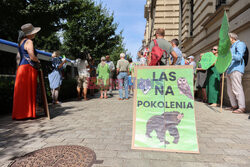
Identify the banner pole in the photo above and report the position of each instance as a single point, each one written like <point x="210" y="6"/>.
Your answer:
<point x="222" y="92"/>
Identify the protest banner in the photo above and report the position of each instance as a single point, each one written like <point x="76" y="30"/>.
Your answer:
<point x="207" y="60"/>
<point x="164" y="117"/>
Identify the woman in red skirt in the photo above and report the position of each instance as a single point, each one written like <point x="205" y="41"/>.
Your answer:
<point x="24" y="100"/>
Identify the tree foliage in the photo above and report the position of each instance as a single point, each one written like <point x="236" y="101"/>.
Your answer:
<point x="82" y="24"/>
<point x="118" y="49"/>
<point x="90" y="29"/>
<point x="46" y="14"/>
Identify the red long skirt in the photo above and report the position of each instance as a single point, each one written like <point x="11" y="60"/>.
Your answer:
<point x="24" y="100"/>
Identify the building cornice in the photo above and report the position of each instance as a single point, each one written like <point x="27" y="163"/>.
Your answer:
<point x="218" y="13"/>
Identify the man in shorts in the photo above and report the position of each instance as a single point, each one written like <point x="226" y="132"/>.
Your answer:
<point x="83" y="77"/>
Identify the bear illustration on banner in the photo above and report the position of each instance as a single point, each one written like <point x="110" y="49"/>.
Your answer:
<point x="164" y="114"/>
<point x="165" y="122"/>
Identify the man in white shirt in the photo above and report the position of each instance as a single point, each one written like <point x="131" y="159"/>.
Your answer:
<point x="112" y="70"/>
<point x="142" y="59"/>
<point x="83" y="78"/>
<point x="192" y="62"/>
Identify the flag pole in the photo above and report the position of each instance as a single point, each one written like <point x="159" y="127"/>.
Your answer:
<point x="222" y="92"/>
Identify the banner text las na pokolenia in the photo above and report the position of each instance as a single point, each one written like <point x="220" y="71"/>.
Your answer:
<point x="164" y="117"/>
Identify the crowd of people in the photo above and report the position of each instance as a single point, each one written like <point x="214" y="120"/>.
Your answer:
<point x="103" y="75"/>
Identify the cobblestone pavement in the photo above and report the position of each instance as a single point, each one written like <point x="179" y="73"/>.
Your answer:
<point x="105" y="125"/>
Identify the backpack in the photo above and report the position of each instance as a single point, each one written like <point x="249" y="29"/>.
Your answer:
<point x="156" y="54"/>
<point x="245" y="56"/>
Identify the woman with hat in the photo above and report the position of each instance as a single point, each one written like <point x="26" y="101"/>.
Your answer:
<point x="24" y="100"/>
<point x="103" y="77"/>
<point x="55" y="77"/>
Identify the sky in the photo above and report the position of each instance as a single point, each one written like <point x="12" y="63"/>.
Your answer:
<point x="129" y="14"/>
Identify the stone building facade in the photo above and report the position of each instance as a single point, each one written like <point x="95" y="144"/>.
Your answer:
<point x="161" y="14"/>
<point x="198" y="23"/>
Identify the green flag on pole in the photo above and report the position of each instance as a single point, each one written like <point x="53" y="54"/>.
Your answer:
<point x="224" y="54"/>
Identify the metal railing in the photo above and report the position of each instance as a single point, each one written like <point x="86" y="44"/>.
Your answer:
<point x="12" y="47"/>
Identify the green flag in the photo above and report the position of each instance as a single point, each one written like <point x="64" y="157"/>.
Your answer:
<point x="207" y="60"/>
<point x="224" y="54"/>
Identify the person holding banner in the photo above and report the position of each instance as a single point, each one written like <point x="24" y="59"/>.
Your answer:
<point x="234" y="75"/>
<point x="24" y="100"/>
<point x="213" y="82"/>
<point x="55" y="77"/>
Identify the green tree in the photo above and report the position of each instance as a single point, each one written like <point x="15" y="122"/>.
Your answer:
<point x="82" y="25"/>
<point x="46" y="14"/>
<point x="118" y="49"/>
<point x="90" y="28"/>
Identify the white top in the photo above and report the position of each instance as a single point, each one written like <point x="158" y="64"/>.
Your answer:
<point x="193" y="64"/>
<point x="82" y="67"/>
<point x="111" y="65"/>
<point x="143" y="61"/>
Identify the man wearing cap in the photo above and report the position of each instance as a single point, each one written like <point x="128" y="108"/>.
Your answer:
<point x="192" y="62"/>
<point x="165" y="45"/>
<point x="123" y="70"/>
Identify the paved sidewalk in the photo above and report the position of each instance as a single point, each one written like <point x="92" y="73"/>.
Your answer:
<point x="105" y="125"/>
